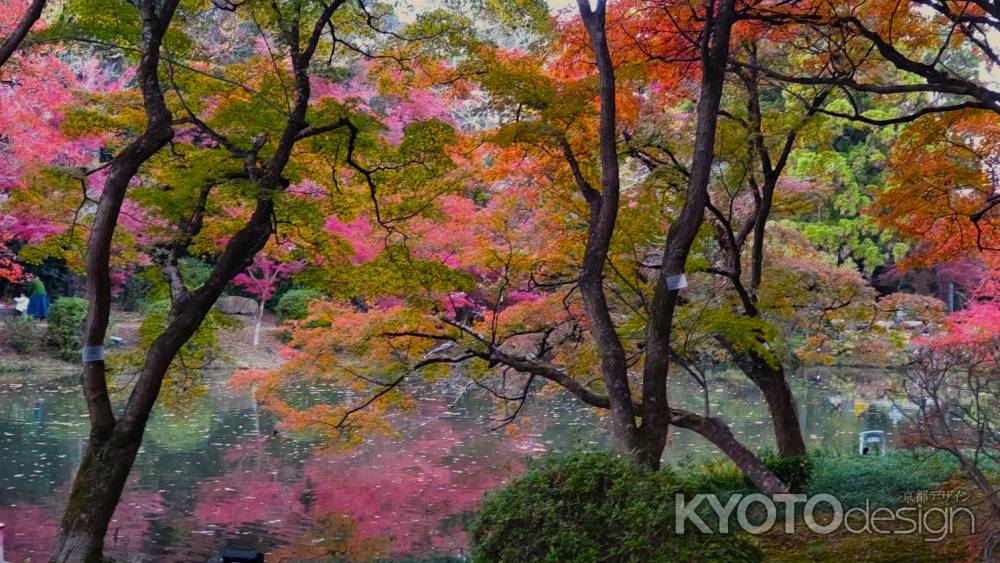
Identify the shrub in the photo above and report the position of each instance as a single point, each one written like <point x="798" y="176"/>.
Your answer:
<point x="794" y="471"/>
<point x="880" y="479"/>
<point x="66" y="316"/>
<point x="718" y="476"/>
<point x="294" y="304"/>
<point x="593" y="507"/>
<point x="22" y="333"/>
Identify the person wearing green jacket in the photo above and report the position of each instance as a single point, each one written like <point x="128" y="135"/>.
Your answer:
<point x="38" y="300"/>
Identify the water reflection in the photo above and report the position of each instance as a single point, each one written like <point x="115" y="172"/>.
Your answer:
<point x="213" y="474"/>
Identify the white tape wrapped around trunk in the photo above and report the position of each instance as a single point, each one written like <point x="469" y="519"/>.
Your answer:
<point x="678" y="281"/>
<point x="92" y="354"/>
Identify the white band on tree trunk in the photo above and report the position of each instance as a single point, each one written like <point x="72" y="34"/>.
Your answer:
<point x="92" y="354"/>
<point x="678" y="281"/>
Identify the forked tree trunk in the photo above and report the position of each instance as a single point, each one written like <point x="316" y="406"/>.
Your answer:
<point x="682" y="234"/>
<point x="114" y="441"/>
<point x="112" y="444"/>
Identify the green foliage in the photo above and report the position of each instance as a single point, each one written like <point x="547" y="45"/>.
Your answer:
<point x="593" y="507"/>
<point x="848" y="173"/>
<point x="22" y="332"/>
<point x="66" y="317"/>
<point x="134" y="292"/>
<point x="517" y="14"/>
<point x="880" y="479"/>
<point x="183" y="380"/>
<point x="716" y="476"/>
<point x="194" y="271"/>
<point x="794" y="471"/>
<point x="850" y="478"/>
<point x="294" y="304"/>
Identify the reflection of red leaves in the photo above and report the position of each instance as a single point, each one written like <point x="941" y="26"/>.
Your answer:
<point x="32" y="528"/>
<point x="402" y="494"/>
<point x="234" y="500"/>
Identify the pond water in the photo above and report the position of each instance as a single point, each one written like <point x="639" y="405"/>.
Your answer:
<point x="212" y="474"/>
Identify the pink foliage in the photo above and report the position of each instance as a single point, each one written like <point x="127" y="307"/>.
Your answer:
<point x="519" y="296"/>
<point x="976" y="327"/>
<point x="262" y="277"/>
<point x="420" y="105"/>
<point x="359" y="93"/>
<point x="456" y="301"/>
<point x="360" y="234"/>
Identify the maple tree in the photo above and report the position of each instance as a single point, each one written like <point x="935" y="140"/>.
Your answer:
<point x="954" y="381"/>
<point x="261" y="279"/>
<point x="924" y="65"/>
<point x="643" y="190"/>
<point x="520" y="310"/>
<point x="227" y="184"/>
<point x="523" y="312"/>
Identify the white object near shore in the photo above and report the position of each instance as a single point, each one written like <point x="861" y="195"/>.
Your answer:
<point x="868" y="440"/>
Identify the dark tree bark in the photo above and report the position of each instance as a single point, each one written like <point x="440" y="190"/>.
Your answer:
<point x="111" y="447"/>
<point x="10" y="45"/>
<point x="964" y="29"/>
<point x="717" y="432"/>
<point x="770" y="379"/>
<point x="682" y="233"/>
<point x="603" y="214"/>
<point x="114" y="443"/>
<point x="647" y="441"/>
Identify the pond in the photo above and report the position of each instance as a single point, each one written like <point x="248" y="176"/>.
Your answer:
<point x="213" y="473"/>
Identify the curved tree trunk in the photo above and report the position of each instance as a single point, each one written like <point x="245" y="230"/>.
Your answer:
<point x="682" y="234"/>
<point x="716" y="431"/>
<point x="96" y="490"/>
<point x="114" y="441"/>
<point x="603" y="207"/>
<point x="770" y="379"/>
<point x="109" y="456"/>
<point x="112" y="444"/>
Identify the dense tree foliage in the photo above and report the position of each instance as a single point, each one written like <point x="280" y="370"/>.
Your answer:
<point x="590" y="203"/>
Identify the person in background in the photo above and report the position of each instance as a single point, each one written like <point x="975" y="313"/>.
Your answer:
<point x="21" y="303"/>
<point x="38" y="303"/>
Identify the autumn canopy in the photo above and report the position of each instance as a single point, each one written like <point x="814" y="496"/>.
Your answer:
<point x="589" y="201"/>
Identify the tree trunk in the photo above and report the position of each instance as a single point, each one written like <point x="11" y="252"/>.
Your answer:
<point x="97" y="487"/>
<point x="114" y="442"/>
<point x="112" y="446"/>
<point x="682" y="234"/>
<point x="256" y="325"/>
<point x="716" y="431"/>
<point x="648" y="447"/>
<point x="603" y="208"/>
<point x="780" y="402"/>
<point x="13" y="40"/>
